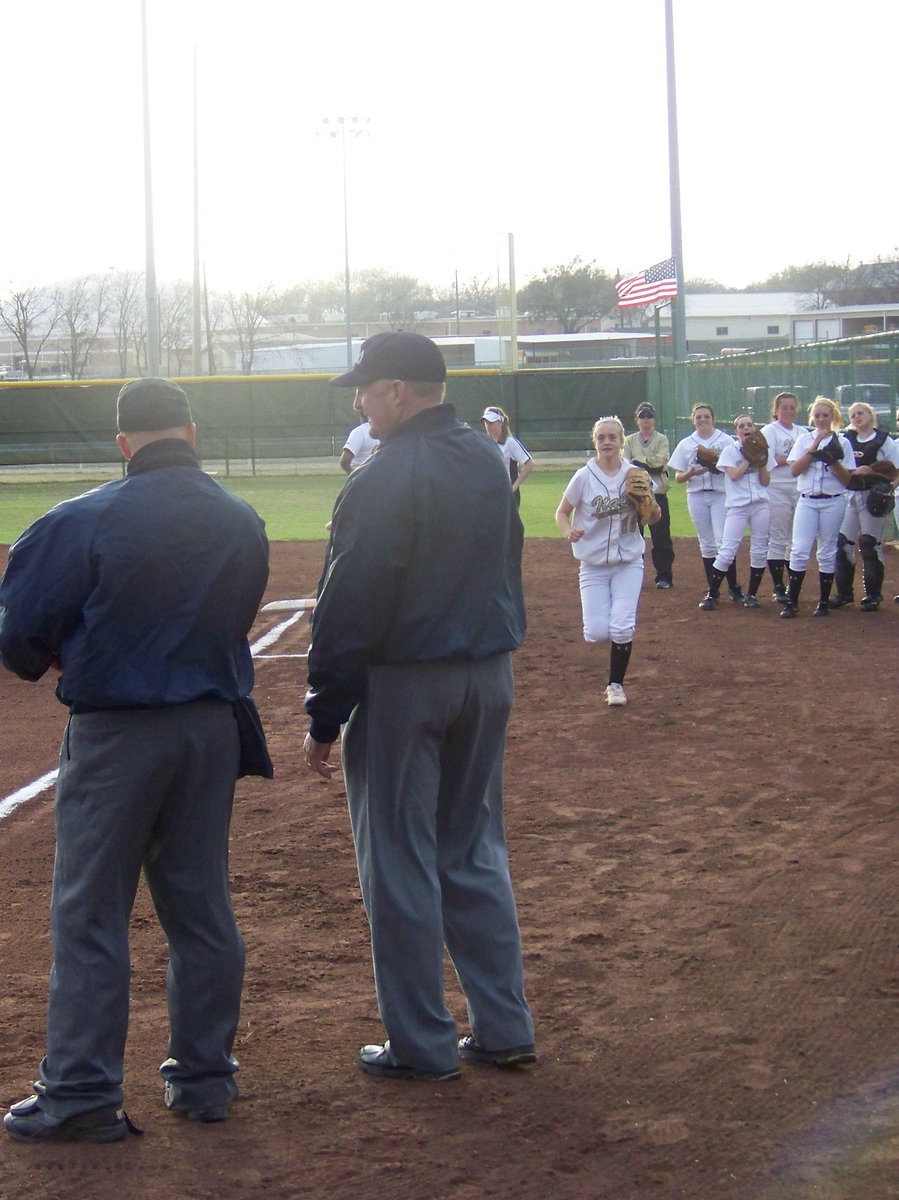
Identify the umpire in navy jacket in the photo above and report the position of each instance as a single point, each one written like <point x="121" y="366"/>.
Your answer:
<point x="141" y="594"/>
<point x="419" y="606"/>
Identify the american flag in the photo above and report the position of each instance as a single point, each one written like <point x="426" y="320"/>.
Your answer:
<point x="656" y="283"/>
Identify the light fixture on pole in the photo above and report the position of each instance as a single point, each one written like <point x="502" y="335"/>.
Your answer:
<point x="342" y="127"/>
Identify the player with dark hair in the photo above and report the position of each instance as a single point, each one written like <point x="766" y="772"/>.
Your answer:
<point x="518" y="462"/>
<point x="647" y="448"/>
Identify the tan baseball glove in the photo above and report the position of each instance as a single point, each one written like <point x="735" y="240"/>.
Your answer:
<point x="638" y="488"/>
<point x="708" y="457"/>
<point x="755" y="449"/>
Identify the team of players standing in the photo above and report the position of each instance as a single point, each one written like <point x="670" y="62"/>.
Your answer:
<point x="813" y="492"/>
<point x="810" y="490"/>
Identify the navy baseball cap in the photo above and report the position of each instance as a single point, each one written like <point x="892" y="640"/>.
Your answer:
<point x="411" y="357"/>
<point x="145" y="405"/>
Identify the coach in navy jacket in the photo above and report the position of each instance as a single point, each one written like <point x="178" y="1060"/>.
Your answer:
<point x="141" y="593"/>
<point x="419" y="605"/>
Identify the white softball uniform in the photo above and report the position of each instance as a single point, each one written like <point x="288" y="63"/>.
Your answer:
<point x="746" y="503"/>
<point x="782" y="493"/>
<point x="705" y="493"/>
<point x="820" y="507"/>
<point x="513" y="452"/>
<point x="610" y="552"/>
<point x="362" y="445"/>
<point x="857" y="520"/>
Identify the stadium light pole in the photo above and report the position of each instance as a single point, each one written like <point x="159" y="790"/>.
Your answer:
<point x="340" y="127"/>
<point x="197" y="293"/>
<point x="152" y="295"/>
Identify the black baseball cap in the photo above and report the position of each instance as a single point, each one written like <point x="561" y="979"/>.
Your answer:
<point x="396" y="355"/>
<point x="646" y="410"/>
<point x="145" y="405"/>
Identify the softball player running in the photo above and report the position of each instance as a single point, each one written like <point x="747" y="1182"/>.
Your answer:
<point x="822" y="463"/>
<point x="746" y="503"/>
<point x="861" y="533"/>
<point x="600" y="522"/>
<point x="705" y="488"/>
<point x="781" y="432"/>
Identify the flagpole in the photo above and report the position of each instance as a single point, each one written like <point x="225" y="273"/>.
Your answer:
<point x="678" y="307"/>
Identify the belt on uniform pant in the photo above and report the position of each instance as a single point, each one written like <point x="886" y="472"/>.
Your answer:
<point x="819" y="495"/>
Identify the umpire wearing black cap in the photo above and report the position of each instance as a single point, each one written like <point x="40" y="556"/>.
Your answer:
<point x="419" y="608"/>
<point x="141" y="594"/>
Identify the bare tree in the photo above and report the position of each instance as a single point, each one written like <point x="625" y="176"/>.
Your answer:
<point x="214" y="310"/>
<point x="247" y="312"/>
<point x="31" y="316"/>
<point x="127" y="315"/>
<point x="83" y="306"/>
<point x="176" y="326"/>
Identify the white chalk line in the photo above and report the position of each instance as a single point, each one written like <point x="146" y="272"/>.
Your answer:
<point x="12" y="801"/>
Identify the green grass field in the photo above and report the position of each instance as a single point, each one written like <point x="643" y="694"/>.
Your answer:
<point x="297" y="507"/>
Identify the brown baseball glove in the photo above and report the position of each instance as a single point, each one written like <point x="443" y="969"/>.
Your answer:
<point x="707" y="457"/>
<point x="638" y="488"/>
<point x="755" y="449"/>
<point x="885" y="469"/>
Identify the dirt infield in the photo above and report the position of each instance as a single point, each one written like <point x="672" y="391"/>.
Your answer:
<point x="708" y="883"/>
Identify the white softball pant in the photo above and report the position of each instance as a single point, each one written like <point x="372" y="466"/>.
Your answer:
<point x="757" y="515"/>
<point x="707" y="515"/>
<point x="858" y="520"/>
<point x="782" y="498"/>
<point x="609" y="599"/>
<point x="819" y="519"/>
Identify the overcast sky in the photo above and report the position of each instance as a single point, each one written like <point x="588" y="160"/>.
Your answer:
<point x="486" y="118"/>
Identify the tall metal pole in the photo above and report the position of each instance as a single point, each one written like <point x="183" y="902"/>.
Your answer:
<point x="678" y="324"/>
<point x="152" y="296"/>
<point x="513" y="307"/>
<point x="197" y="290"/>
<point x="346" y="253"/>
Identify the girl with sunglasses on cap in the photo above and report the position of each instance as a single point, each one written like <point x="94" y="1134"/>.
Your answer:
<point x="518" y="461"/>
<point x="694" y="463"/>
<point x="600" y="522"/>
<point x="648" y="448"/>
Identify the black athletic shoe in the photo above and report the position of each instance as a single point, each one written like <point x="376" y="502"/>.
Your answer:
<point x="788" y="611"/>
<point x="736" y="594"/>
<point x="513" y="1056"/>
<point x="841" y="601"/>
<point x="869" y="604"/>
<point x="664" y="584"/>
<point x="822" y="609"/>
<point x="751" y="602"/>
<point x="27" y="1122"/>
<point x="207" y="1114"/>
<point x="707" y="604"/>
<point x="779" y="596"/>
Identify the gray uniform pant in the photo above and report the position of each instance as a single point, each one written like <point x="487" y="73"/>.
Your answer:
<point x="423" y="762"/>
<point x="151" y="789"/>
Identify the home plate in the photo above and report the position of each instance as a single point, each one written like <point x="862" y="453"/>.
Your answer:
<point x="289" y="605"/>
